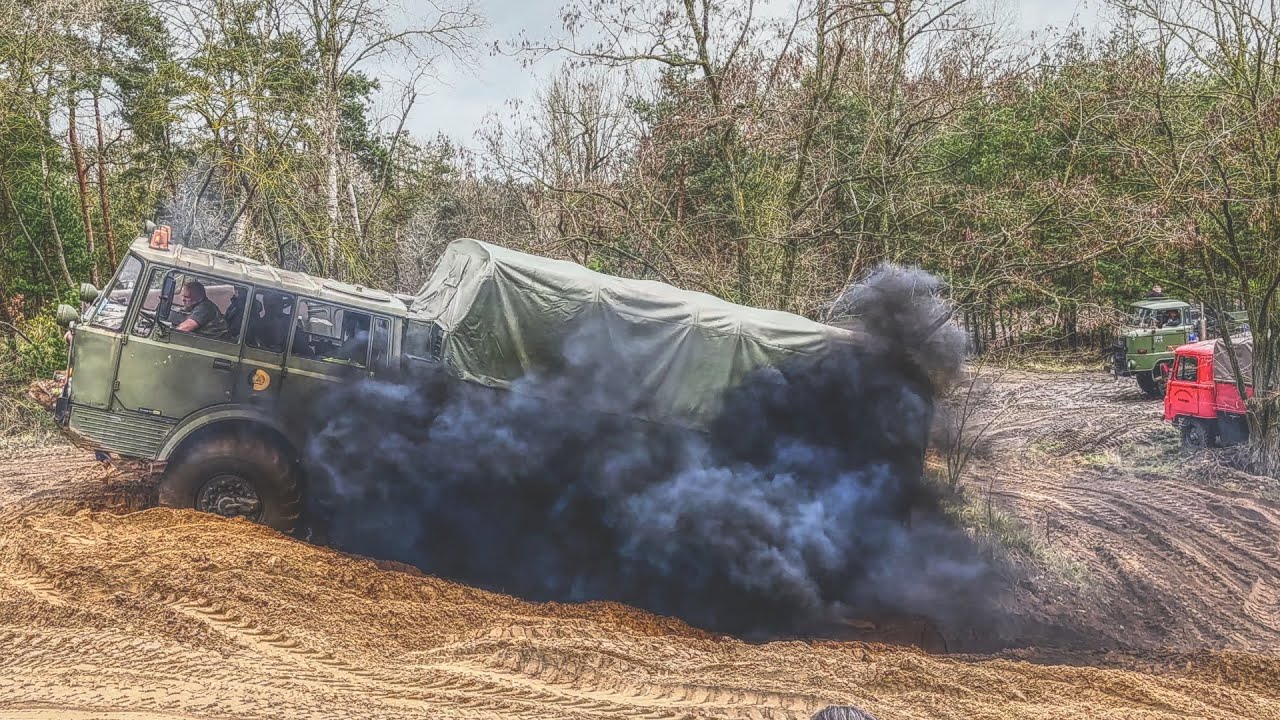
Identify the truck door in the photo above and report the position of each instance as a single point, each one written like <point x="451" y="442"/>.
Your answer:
<point x="1194" y="397"/>
<point x="168" y="373"/>
<point x="95" y="347"/>
<point x="266" y="336"/>
<point x="330" y="346"/>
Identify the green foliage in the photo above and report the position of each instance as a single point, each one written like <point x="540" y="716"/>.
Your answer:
<point x="37" y="350"/>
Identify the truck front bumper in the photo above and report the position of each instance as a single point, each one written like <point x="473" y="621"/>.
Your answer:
<point x="62" y="405"/>
<point x="1120" y="363"/>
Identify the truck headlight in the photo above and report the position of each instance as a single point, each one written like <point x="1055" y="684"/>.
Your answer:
<point x="66" y="315"/>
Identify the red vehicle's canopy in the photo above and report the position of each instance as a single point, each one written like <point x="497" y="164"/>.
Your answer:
<point x="1217" y="350"/>
<point x="1242" y="347"/>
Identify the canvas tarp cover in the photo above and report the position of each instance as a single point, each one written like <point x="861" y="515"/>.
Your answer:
<point x="507" y="315"/>
<point x="1243" y="347"/>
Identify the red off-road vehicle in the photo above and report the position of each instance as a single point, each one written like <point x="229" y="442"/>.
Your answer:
<point x="1203" y="398"/>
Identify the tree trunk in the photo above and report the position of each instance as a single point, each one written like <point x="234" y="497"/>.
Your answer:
<point x="1264" y="444"/>
<point x="103" y="194"/>
<point x="83" y="184"/>
<point x="355" y="208"/>
<point x="53" y="220"/>
<point x="331" y="181"/>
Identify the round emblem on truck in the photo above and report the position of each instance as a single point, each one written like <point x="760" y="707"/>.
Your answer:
<point x="260" y="380"/>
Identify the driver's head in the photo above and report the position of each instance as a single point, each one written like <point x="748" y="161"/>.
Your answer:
<point x="192" y="293"/>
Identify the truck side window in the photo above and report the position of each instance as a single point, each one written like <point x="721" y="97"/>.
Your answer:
<point x="1187" y="368"/>
<point x="229" y="299"/>
<point x="113" y="304"/>
<point x="381" y="342"/>
<point x="331" y="333"/>
<point x="269" y="318"/>
<point x="423" y="341"/>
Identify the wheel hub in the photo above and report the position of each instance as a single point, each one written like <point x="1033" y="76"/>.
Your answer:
<point x="229" y="496"/>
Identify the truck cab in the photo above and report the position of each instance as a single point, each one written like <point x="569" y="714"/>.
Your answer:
<point x="222" y="409"/>
<point x="1144" y="346"/>
<point x="1203" y="398"/>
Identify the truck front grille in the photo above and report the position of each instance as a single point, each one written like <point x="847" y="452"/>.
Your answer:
<point x="125" y="433"/>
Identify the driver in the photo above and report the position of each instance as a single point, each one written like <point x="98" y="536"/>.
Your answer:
<point x="1172" y="318"/>
<point x="203" y="317"/>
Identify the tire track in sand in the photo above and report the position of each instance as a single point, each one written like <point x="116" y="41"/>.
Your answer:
<point x="1180" y="563"/>
<point x="462" y="684"/>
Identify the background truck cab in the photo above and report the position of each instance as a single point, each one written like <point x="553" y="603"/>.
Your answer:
<point x="1202" y="396"/>
<point x="1143" y="348"/>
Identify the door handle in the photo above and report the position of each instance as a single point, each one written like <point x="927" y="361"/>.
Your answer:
<point x="221" y="364"/>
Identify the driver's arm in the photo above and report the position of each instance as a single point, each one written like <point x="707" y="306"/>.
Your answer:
<point x="198" y="317"/>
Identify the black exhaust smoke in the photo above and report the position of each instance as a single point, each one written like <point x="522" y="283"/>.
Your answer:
<point x="803" y="504"/>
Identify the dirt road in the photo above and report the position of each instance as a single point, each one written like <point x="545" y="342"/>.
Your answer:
<point x="1176" y="551"/>
<point x="156" y="614"/>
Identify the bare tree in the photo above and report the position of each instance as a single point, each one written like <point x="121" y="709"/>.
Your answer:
<point x="1202" y="125"/>
<point x="350" y="35"/>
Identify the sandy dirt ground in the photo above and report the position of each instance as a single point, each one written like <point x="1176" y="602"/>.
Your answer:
<point x="1174" y="551"/>
<point x="110" y="610"/>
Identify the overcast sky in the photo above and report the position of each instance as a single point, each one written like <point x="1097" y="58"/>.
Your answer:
<point x="457" y="105"/>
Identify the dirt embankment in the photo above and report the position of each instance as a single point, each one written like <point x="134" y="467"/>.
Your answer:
<point x="174" y="614"/>
<point x="166" y="614"/>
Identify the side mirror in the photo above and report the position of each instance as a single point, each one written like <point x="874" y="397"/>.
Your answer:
<point x="166" y="297"/>
<point x="88" y="293"/>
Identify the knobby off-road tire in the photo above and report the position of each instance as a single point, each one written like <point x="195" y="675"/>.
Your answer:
<point x="223" y="459"/>
<point x="1197" y="435"/>
<point x="1161" y="376"/>
<point x="1147" y="382"/>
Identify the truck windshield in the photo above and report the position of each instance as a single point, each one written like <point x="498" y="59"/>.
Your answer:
<point x="109" y="311"/>
<point x="1142" y="317"/>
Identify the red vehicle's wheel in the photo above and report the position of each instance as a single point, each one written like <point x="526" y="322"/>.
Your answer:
<point x="1196" y="435"/>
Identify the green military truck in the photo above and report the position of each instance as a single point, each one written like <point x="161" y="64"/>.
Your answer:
<point x="1144" y="346"/>
<point x="1153" y="329"/>
<point x="225" y="407"/>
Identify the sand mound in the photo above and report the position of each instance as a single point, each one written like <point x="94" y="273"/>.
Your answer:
<point x="170" y="613"/>
<point x="107" y="611"/>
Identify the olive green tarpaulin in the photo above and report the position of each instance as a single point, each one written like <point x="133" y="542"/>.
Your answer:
<point x="507" y="315"/>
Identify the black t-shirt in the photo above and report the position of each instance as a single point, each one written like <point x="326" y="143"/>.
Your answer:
<point x="209" y="320"/>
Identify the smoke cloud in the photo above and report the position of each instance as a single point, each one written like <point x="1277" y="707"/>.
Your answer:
<point x="801" y="505"/>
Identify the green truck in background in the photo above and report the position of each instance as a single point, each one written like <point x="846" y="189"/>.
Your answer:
<point x="227" y="411"/>
<point x="1153" y="329"/>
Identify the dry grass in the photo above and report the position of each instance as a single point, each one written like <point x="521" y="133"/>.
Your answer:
<point x="1005" y="537"/>
<point x="23" y="420"/>
<point x="1039" y="360"/>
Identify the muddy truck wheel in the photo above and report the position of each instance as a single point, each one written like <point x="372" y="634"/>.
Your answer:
<point x="1196" y="435"/>
<point x="236" y="475"/>
<point x="1147" y="381"/>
